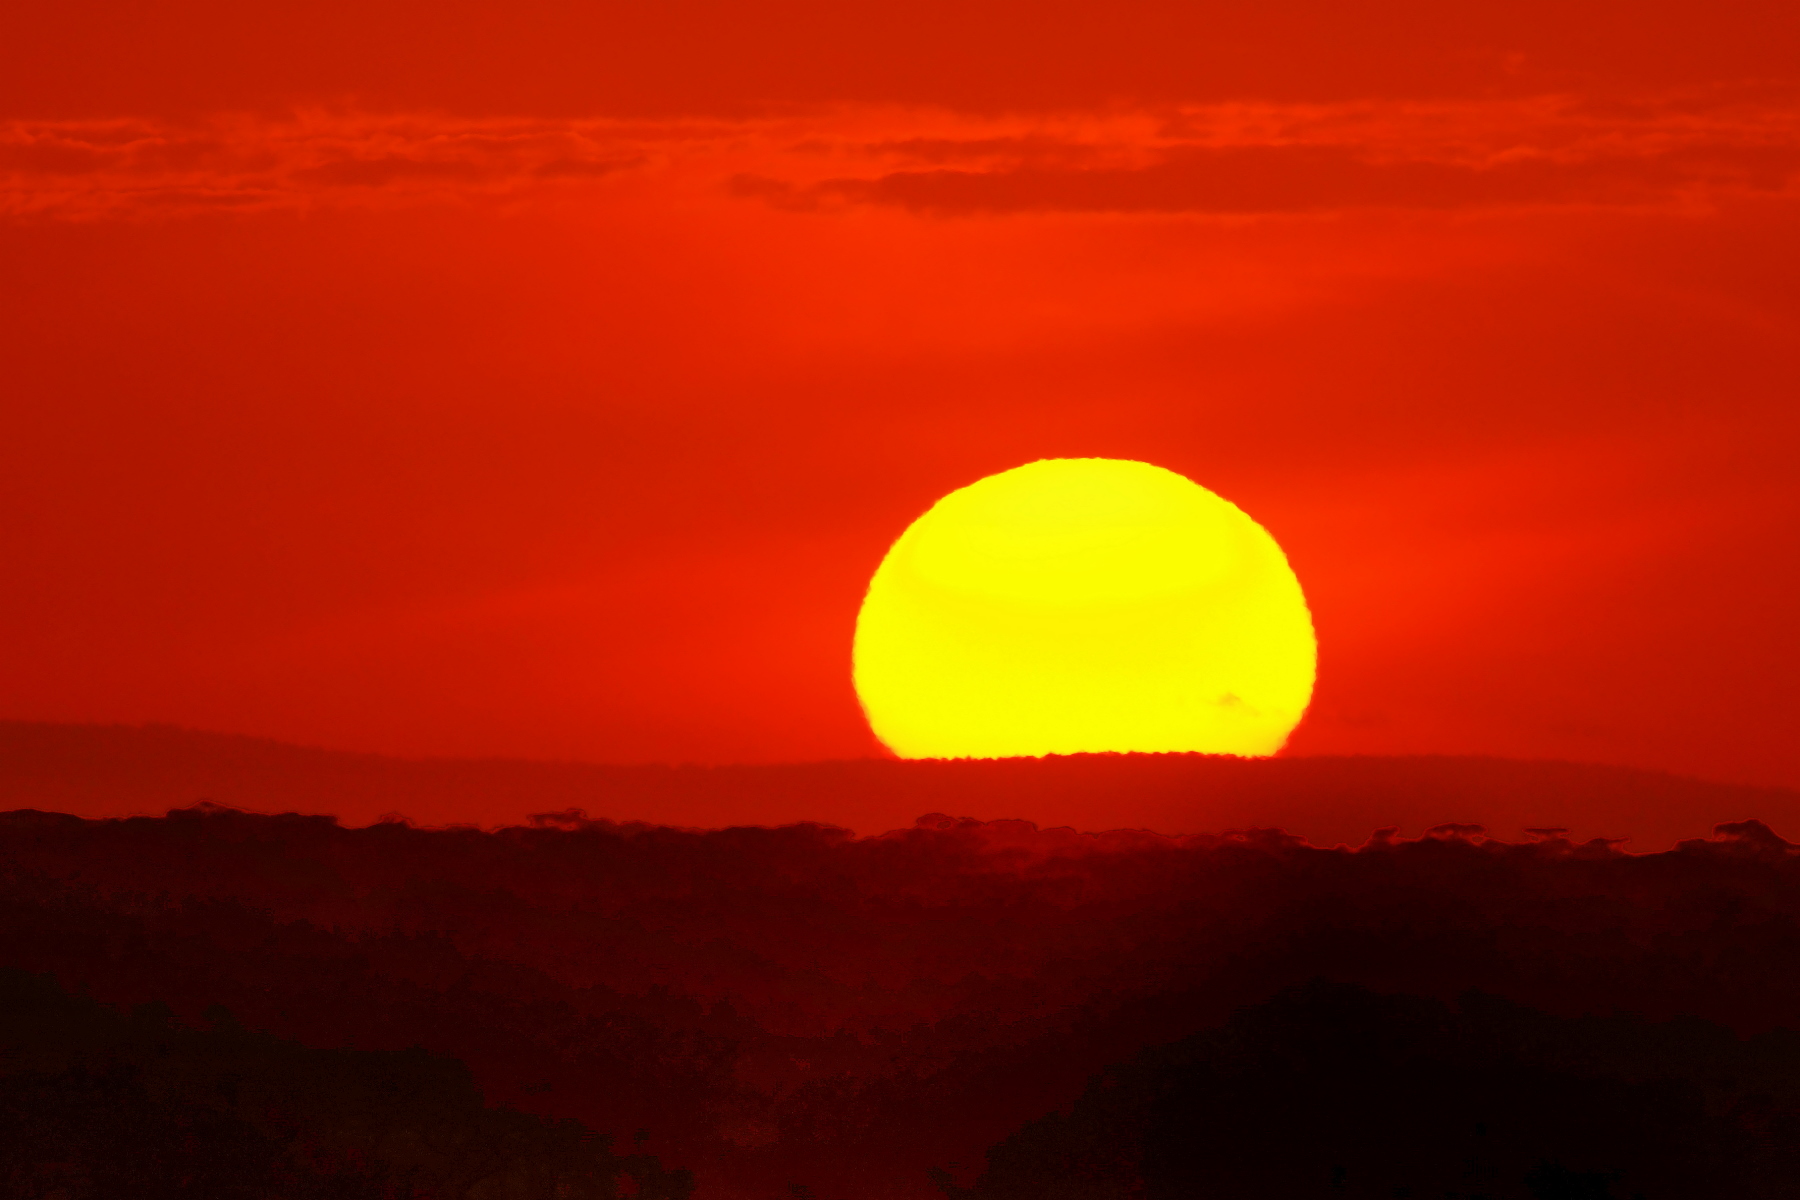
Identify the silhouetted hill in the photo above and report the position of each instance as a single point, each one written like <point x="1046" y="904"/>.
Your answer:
<point x="1333" y="1091"/>
<point x="95" y="770"/>
<point x="799" y="1008"/>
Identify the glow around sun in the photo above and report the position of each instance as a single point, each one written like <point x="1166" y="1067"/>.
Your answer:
<point x="1084" y="604"/>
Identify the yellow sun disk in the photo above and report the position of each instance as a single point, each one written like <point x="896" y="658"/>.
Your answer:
<point x="1083" y="604"/>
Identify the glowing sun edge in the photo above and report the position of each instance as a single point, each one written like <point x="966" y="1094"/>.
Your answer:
<point x="1084" y="605"/>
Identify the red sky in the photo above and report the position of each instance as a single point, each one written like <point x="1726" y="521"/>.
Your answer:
<point x="547" y="379"/>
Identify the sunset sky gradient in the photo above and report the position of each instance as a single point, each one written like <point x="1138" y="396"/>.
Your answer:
<point x="548" y="379"/>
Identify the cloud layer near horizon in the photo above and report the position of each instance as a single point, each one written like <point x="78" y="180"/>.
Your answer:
<point x="1240" y="159"/>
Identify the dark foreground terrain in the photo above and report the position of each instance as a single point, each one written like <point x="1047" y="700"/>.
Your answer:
<point x="575" y="1007"/>
<point x="1331" y="1090"/>
<point x="96" y="1103"/>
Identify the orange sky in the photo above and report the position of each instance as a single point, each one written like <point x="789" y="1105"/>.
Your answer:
<point x="547" y="379"/>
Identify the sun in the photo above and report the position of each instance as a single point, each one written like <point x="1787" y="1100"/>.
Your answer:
<point x="1084" y="604"/>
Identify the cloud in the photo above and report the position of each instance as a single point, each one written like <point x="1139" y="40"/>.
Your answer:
<point x="113" y="168"/>
<point x="1309" y="179"/>
<point x="1243" y="159"/>
<point x="1225" y="159"/>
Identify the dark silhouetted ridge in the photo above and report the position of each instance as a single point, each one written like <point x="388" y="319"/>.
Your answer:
<point x="96" y="770"/>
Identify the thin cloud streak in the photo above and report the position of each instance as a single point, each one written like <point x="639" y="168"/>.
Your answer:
<point x="1221" y="159"/>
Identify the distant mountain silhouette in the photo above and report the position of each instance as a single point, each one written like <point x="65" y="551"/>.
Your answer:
<point x="94" y="770"/>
